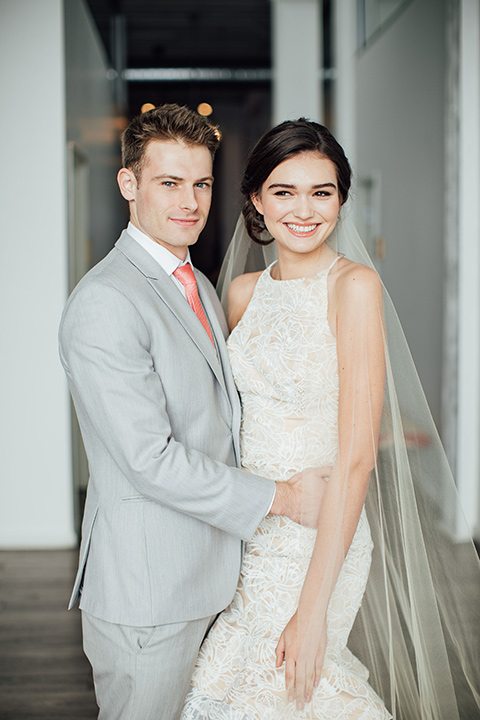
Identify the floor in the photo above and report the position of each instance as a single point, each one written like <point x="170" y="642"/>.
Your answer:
<point x="44" y="674"/>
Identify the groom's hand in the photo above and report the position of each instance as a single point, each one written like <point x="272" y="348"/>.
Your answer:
<point x="300" y="497"/>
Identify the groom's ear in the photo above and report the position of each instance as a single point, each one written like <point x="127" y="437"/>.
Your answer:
<point x="127" y="182"/>
<point x="257" y="203"/>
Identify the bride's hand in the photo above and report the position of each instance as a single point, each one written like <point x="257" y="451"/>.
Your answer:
<point x="303" y="652"/>
<point x="300" y="497"/>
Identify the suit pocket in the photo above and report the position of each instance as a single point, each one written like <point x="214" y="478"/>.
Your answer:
<point x="87" y="530"/>
<point x="134" y="499"/>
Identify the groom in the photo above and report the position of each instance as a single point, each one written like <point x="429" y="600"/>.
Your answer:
<point x="142" y="341"/>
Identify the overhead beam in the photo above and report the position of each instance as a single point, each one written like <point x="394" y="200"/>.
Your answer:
<point x="206" y="74"/>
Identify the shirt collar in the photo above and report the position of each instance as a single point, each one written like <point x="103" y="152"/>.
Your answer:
<point x="166" y="259"/>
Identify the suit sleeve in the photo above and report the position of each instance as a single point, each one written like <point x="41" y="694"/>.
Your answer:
<point x="104" y="348"/>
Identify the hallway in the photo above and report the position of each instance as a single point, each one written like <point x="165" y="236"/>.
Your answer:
<point x="43" y="672"/>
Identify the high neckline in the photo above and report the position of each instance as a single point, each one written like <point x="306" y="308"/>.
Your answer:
<point x="326" y="270"/>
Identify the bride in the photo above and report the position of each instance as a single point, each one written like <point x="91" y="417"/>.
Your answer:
<point x="311" y="353"/>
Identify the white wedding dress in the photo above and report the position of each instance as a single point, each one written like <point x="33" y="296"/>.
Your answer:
<point x="284" y="361"/>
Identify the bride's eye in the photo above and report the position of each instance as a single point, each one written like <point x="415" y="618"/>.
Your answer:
<point x="282" y="193"/>
<point x="323" y="193"/>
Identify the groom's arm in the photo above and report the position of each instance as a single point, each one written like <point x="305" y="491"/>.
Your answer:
<point x="104" y="348"/>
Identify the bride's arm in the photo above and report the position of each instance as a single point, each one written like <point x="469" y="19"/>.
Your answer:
<point x="361" y="369"/>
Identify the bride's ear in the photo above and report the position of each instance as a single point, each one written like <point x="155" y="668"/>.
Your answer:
<point x="257" y="203"/>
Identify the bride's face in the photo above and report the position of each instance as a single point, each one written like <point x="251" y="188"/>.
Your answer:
<point x="300" y="202"/>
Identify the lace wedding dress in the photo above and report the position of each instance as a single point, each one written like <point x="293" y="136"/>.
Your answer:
<point x="283" y="357"/>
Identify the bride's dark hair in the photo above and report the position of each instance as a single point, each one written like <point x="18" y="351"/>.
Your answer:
<point x="281" y="143"/>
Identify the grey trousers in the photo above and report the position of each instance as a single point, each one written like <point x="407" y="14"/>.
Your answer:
<point x="141" y="673"/>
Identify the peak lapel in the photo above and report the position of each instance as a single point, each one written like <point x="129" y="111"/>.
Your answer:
<point x="174" y="300"/>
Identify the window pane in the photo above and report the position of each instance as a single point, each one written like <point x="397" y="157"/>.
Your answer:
<point x="374" y="14"/>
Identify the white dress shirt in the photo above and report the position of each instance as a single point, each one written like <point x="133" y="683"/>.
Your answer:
<point x="166" y="259"/>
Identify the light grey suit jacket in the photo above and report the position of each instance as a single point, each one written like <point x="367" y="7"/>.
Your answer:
<point x="166" y="506"/>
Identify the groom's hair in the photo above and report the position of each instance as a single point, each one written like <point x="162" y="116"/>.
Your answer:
<point x="166" y="122"/>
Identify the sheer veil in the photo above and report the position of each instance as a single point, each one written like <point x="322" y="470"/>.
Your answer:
<point x="417" y="631"/>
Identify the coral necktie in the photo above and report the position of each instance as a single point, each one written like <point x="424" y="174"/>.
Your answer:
<point x="184" y="273"/>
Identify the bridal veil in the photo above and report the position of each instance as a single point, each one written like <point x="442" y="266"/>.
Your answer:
<point x="417" y="630"/>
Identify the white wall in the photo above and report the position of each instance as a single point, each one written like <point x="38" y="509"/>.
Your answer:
<point x="54" y="89"/>
<point x="468" y="417"/>
<point x="35" y="480"/>
<point x="400" y="133"/>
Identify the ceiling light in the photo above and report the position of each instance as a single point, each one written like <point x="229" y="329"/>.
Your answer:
<point x="204" y="109"/>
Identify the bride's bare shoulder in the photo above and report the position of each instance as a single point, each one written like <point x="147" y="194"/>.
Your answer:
<point x="355" y="280"/>
<point x="239" y="295"/>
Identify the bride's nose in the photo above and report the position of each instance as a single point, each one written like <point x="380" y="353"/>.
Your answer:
<point x="303" y="209"/>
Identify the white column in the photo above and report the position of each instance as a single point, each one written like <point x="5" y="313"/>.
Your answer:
<point x="345" y="75"/>
<point x="36" y="508"/>
<point x="468" y="435"/>
<point x="296" y="60"/>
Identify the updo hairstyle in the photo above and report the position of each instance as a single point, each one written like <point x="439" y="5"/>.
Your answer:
<point x="281" y="143"/>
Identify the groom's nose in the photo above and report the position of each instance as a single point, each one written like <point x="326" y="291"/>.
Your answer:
<point x="188" y="200"/>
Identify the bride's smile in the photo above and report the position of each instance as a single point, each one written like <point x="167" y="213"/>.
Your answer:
<point x="300" y="203"/>
<point x="300" y="230"/>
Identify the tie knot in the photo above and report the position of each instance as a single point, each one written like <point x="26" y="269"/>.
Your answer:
<point x="184" y="273"/>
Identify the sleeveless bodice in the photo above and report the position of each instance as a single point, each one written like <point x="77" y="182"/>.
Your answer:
<point x="284" y="362"/>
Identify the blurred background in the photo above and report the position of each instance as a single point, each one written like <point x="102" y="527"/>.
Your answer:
<point x="397" y="81"/>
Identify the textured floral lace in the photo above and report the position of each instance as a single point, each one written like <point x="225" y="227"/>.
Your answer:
<point x="283" y="357"/>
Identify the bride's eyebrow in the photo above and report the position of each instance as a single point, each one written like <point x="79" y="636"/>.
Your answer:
<point x="293" y="187"/>
<point x="324" y="185"/>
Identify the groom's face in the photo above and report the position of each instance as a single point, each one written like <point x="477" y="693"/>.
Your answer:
<point x="171" y="199"/>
